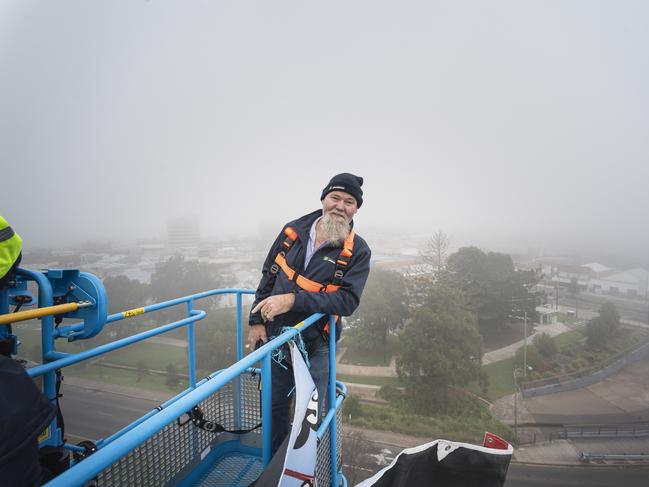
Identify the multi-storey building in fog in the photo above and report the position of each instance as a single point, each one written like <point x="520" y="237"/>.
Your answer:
<point x="184" y="235"/>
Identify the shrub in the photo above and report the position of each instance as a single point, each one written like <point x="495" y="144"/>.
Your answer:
<point x="577" y="364"/>
<point x="545" y="345"/>
<point x="483" y="381"/>
<point x="352" y="407"/>
<point x="391" y="394"/>
<point x="599" y="330"/>
<point x="534" y="358"/>
<point x="597" y="333"/>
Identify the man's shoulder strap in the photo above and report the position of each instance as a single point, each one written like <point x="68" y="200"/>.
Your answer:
<point x="345" y="256"/>
<point x="348" y="244"/>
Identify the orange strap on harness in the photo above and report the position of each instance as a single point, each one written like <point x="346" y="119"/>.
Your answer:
<point x="305" y="283"/>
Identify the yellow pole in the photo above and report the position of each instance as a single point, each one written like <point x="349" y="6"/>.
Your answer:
<point x="40" y="312"/>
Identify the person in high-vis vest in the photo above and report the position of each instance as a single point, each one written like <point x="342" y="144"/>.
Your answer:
<point x="11" y="246"/>
<point x="24" y="411"/>
<point x="317" y="264"/>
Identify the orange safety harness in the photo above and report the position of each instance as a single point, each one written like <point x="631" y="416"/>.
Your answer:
<point x="307" y="284"/>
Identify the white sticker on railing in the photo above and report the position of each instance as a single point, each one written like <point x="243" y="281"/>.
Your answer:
<point x="205" y="452"/>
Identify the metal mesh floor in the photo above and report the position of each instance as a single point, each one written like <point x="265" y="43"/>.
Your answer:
<point x="232" y="470"/>
<point x="165" y="459"/>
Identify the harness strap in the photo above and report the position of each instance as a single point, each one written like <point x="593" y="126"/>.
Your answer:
<point x="196" y="417"/>
<point x="307" y="284"/>
<point x="291" y="237"/>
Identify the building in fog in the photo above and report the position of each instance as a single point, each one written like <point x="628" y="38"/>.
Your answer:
<point x="184" y="236"/>
<point x="563" y="274"/>
<point x="633" y="283"/>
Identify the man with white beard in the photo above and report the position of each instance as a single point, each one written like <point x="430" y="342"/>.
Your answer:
<point x="317" y="264"/>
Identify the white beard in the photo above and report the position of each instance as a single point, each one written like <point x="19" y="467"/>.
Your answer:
<point x="334" y="229"/>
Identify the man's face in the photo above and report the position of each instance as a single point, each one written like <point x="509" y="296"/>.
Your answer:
<point x="340" y="204"/>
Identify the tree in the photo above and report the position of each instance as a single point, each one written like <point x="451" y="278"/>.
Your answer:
<point x="597" y="334"/>
<point x="177" y="277"/>
<point x="420" y="278"/>
<point x="494" y="289"/>
<point x="609" y="315"/>
<point x="534" y="358"/>
<point x="216" y="337"/>
<point x="382" y="308"/>
<point x="546" y="346"/>
<point x="124" y="293"/>
<point x="599" y="330"/>
<point x="436" y="249"/>
<point x="440" y="347"/>
<point x="352" y="407"/>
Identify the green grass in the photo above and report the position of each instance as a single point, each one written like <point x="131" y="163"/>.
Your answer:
<point x="566" y="318"/>
<point x="501" y="382"/>
<point x="154" y="355"/>
<point x="501" y="379"/>
<point x="366" y="379"/>
<point x="359" y="354"/>
<point x="468" y="426"/>
<point x="124" y="378"/>
<point x="567" y="339"/>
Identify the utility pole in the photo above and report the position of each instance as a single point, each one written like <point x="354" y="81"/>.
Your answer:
<point x="515" y="407"/>
<point x="525" y="346"/>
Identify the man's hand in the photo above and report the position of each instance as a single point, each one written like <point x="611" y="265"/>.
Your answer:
<point x="275" y="305"/>
<point x="256" y="333"/>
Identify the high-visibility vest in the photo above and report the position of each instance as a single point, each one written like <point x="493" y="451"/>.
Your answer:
<point x="10" y="247"/>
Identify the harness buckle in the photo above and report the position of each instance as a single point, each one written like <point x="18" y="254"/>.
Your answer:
<point x="274" y="269"/>
<point x="338" y="274"/>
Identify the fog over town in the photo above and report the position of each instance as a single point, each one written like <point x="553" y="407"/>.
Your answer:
<point x="160" y="146"/>
<point x="510" y="125"/>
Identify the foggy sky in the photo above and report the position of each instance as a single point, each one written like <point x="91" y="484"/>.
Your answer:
<point x="521" y="121"/>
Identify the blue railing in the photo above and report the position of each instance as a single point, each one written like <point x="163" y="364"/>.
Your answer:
<point x="111" y="449"/>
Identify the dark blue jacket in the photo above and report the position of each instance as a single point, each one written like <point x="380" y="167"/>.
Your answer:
<point x="320" y="269"/>
<point x="24" y="413"/>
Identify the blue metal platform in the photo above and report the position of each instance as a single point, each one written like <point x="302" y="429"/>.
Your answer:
<point x="162" y="448"/>
<point x="232" y="470"/>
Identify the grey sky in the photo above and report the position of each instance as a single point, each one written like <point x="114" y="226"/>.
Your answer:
<point x="520" y="120"/>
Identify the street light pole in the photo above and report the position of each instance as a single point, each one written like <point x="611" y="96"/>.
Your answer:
<point x="525" y="346"/>
<point x="515" y="407"/>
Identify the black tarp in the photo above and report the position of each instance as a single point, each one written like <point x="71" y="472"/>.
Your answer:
<point x="444" y="463"/>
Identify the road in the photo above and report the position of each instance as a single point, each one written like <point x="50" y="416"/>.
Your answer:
<point x="94" y="414"/>
<point x="520" y="475"/>
<point x="589" y="305"/>
<point x="370" y="456"/>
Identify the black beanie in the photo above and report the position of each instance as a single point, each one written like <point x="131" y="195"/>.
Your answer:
<point x="348" y="183"/>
